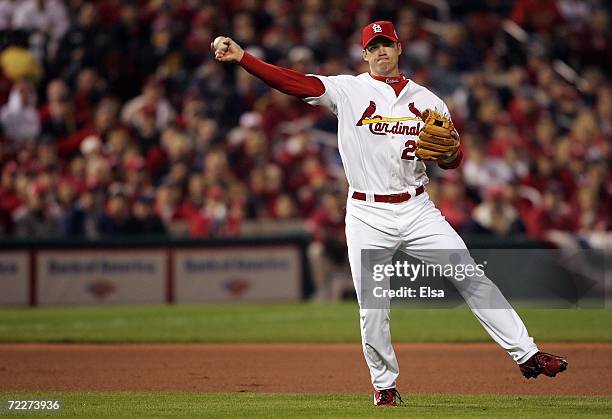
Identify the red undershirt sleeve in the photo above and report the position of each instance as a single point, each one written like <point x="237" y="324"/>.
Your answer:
<point x="287" y="81"/>
<point x="453" y="164"/>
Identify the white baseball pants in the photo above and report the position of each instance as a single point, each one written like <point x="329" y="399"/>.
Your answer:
<point x="411" y="226"/>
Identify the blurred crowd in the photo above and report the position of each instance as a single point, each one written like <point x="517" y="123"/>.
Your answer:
<point x="116" y="119"/>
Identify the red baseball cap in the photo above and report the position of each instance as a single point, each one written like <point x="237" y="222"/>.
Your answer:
<point x="376" y="29"/>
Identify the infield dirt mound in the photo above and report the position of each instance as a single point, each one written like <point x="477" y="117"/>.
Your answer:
<point x="296" y="368"/>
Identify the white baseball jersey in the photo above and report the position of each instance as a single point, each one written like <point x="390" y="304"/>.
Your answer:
<point x="378" y="131"/>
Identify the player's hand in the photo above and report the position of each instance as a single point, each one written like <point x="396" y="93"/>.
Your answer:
<point x="227" y="50"/>
<point x="438" y="140"/>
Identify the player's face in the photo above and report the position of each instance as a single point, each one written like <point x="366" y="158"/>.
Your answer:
<point x="383" y="56"/>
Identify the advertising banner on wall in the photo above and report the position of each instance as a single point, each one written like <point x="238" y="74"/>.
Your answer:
<point x="268" y="273"/>
<point x="101" y="276"/>
<point x="14" y="278"/>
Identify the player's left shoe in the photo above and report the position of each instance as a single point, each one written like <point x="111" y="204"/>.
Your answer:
<point x="543" y="363"/>
<point x="389" y="397"/>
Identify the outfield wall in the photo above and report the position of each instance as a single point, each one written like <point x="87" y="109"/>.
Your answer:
<point x="133" y="272"/>
<point x="270" y="269"/>
<point x="14" y="277"/>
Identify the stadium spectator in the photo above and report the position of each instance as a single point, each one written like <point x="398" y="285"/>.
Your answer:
<point x="143" y="219"/>
<point x="454" y="204"/>
<point x="553" y="214"/>
<point x="496" y="215"/>
<point x="84" y="45"/>
<point x="284" y="208"/>
<point x="87" y="94"/>
<point x="81" y="220"/>
<point x="67" y="200"/>
<point x="38" y="216"/>
<point x="45" y="21"/>
<point x="20" y="121"/>
<point x="11" y="198"/>
<point x="57" y="115"/>
<point x="151" y="103"/>
<point x="327" y="253"/>
<point x="115" y="218"/>
<point x="104" y="120"/>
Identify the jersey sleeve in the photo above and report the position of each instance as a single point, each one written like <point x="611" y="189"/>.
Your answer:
<point x="443" y="109"/>
<point x="333" y="95"/>
<point x="283" y="79"/>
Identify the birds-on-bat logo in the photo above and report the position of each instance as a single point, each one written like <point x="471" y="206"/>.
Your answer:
<point x="381" y="125"/>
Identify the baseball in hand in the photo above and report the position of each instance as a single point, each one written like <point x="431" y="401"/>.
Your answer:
<point x="219" y="45"/>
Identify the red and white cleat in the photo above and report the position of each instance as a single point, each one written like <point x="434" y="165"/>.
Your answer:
<point x="543" y="363"/>
<point x="389" y="397"/>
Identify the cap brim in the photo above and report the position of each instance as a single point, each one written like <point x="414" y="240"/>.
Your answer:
<point x="379" y="36"/>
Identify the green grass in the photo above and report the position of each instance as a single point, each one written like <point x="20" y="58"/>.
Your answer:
<point x="304" y="322"/>
<point x="260" y="405"/>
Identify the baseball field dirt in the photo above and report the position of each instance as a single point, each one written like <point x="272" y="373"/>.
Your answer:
<point x="427" y="368"/>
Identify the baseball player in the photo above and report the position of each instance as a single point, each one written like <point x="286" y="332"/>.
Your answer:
<point x="387" y="126"/>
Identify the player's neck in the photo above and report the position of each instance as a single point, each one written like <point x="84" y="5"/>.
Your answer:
<point x="391" y="73"/>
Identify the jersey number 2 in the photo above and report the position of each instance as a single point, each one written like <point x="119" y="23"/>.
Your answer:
<point x="410" y="148"/>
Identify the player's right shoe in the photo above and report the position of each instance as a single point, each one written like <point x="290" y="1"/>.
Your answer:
<point x="389" y="397"/>
<point x="543" y="363"/>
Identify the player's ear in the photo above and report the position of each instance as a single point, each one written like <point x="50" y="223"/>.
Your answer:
<point x="363" y="54"/>
<point x="399" y="48"/>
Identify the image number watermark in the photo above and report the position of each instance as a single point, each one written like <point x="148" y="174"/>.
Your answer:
<point x="17" y="405"/>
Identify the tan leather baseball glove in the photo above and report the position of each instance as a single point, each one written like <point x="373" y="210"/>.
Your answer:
<point x="438" y="140"/>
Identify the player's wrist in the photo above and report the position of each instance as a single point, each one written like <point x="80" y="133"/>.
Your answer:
<point x="451" y="164"/>
<point x="245" y="59"/>
<point x="240" y="55"/>
<point x="450" y="159"/>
